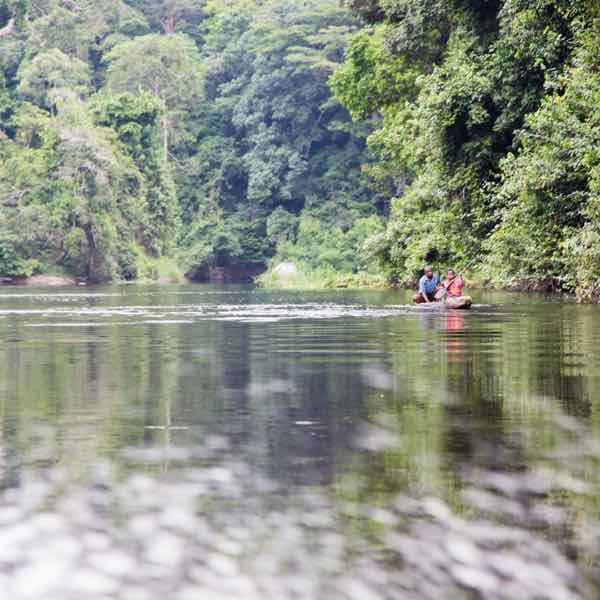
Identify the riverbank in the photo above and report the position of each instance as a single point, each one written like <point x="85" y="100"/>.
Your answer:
<point x="288" y="276"/>
<point x="285" y="276"/>
<point x="41" y="281"/>
<point x="163" y="271"/>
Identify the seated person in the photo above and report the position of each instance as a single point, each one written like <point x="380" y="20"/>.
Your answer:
<point x="453" y="284"/>
<point x="428" y="285"/>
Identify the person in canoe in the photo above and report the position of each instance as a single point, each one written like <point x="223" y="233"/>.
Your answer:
<point x="428" y="286"/>
<point x="451" y="292"/>
<point x="453" y="284"/>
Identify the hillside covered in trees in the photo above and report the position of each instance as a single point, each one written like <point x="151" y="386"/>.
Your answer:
<point x="202" y="131"/>
<point x="343" y="136"/>
<point x="489" y="136"/>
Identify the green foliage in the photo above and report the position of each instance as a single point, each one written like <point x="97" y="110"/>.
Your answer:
<point x="83" y="172"/>
<point x="487" y="124"/>
<point x="329" y="241"/>
<point x="169" y="16"/>
<point x="69" y="191"/>
<point x="133" y="131"/>
<point x="51" y="73"/>
<point x="216" y="240"/>
<point x="270" y="137"/>
<point x="138" y="122"/>
<point x="159" y="270"/>
<point x="371" y="78"/>
<point x="322" y="277"/>
<point x="11" y="263"/>
<point x="550" y="220"/>
<point x="169" y="67"/>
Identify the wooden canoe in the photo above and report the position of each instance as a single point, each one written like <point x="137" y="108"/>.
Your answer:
<point x="459" y="303"/>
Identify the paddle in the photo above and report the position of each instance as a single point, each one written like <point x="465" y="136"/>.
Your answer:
<point x="441" y="294"/>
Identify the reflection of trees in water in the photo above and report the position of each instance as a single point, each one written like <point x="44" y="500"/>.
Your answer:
<point x="474" y="425"/>
<point x="453" y="397"/>
<point x="302" y="402"/>
<point x="454" y="387"/>
<point x="471" y="389"/>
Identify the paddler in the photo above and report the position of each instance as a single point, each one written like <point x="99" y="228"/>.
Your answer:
<point x="428" y="285"/>
<point x="453" y="284"/>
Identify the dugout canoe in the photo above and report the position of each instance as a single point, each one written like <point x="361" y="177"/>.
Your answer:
<point x="458" y="303"/>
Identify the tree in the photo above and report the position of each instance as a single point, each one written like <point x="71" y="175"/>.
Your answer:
<point x="73" y="193"/>
<point x="550" y="220"/>
<point x="133" y="129"/>
<point x="168" y="67"/>
<point x="41" y="79"/>
<point x="137" y="120"/>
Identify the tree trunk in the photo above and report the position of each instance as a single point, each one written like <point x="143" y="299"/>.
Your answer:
<point x="166" y="137"/>
<point x="94" y="260"/>
<point x="169" y="23"/>
<point x="156" y="88"/>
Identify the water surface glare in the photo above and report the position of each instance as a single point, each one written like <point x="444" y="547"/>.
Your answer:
<point x="190" y="442"/>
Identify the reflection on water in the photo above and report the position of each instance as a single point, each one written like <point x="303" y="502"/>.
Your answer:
<point x="265" y="439"/>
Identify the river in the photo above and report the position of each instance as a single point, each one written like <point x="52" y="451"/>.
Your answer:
<point x="230" y="442"/>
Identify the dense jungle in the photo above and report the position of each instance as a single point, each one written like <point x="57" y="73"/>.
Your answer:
<point x="354" y="141"/>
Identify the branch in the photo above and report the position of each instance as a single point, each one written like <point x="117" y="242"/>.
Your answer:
<point x="8" y="28"/>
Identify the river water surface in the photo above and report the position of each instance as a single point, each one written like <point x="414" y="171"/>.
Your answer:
<point x="226" y="442"/>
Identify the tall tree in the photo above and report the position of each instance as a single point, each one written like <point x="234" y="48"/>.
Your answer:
<point x="168" y="67"/>
<point x="49" y="74"/>
<point x="70" y="192"/>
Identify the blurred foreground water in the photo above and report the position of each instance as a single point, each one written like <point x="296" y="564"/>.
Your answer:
<point x="227" y="443"/>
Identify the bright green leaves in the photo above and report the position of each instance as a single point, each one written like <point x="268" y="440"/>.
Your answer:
<point x="493" y="156"/>
<point x="85" y="174"/>
<point x="169" y="67"/>
<point x="72" y="194"/>
<point x="52" y="74"/>
<point x="129" y="127"/>
<point x="550" y="222"/>
<point x="371" y="78"/>
<point x="138" y="122"/>
<point x="320" y="244"/>
<point x="11" y="263"/>
<point x="136" y="119"/>
<point x="271" y="137"/>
